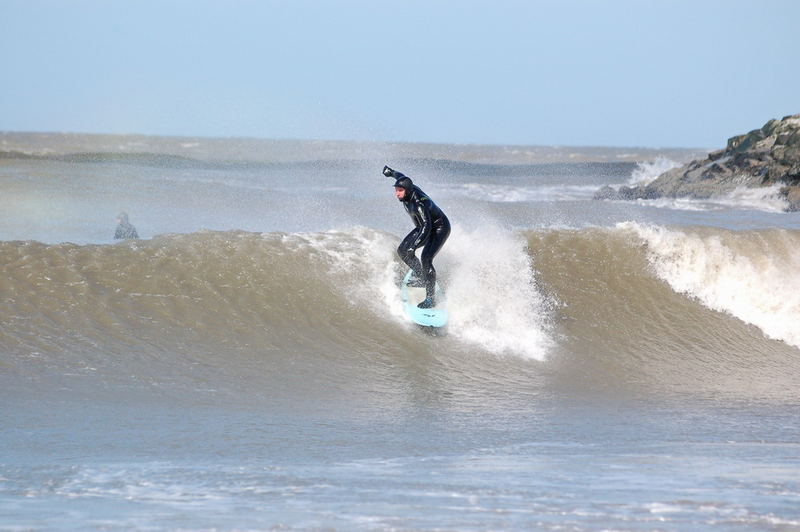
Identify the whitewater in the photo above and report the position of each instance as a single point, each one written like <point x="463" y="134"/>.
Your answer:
<point x="246" y="364"/>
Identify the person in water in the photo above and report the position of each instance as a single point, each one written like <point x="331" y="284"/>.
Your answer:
<point x="431" y="231"/>
<point x="125" y="229"/>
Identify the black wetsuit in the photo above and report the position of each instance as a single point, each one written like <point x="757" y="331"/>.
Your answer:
<point x="432" y="229"/>
<point x="125" y="229"/>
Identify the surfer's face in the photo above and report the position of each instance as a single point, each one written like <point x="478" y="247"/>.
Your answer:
<point x="399" y="193"/>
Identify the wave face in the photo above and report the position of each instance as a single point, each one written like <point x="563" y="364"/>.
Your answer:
<point x="701" y="309"/>
<point x="304" y="316"/>
<point x="752" y="276"/>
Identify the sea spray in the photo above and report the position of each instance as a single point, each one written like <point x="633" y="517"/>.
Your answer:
<point x="646" y="172"/>
<point x="767" y="199"/>
<point x="752" y="276"/>
<point x="487" y="275"/>
<point x="362" y="262"/>
<point x="491" y="293"/>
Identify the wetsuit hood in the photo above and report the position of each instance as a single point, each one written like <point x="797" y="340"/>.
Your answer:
<point x="406" y="184"/>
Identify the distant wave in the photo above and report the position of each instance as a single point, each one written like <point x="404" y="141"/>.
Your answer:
<point x="149" y="159"/>
<point x="516" y="193"/>
<point x="411" y="165"/>
<point x="162" y="160"/>
<point x="766" y="199"/>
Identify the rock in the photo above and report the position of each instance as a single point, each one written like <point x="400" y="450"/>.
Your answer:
<point x="734" y="143"/>
<point x="792" y="195"/>
<point x="767" y="156"/>
<point x="606" y="193"/>
<point x="788" y="155"/>
<point x="769" y="128"/>
<point x="764" y="145"/>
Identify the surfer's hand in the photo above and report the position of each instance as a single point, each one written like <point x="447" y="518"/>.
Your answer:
<point x="388" y="172"/>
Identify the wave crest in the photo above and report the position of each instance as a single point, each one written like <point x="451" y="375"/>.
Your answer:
<point x="752" y="275"/>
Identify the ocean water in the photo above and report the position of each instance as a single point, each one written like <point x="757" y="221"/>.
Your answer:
<point x="246" y="365"/>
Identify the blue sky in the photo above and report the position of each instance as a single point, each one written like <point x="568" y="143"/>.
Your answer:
<point x="568" y="72"/>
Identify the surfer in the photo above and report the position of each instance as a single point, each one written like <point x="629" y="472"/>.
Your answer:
<point x="431" y="231"/>
<point x="125" y="229"/>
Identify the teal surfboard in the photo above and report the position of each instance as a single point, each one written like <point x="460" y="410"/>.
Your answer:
<point x="427" y="317"/>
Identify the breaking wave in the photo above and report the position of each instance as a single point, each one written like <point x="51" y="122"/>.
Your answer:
<point x="633" y="305"/>
<point x="646" y="172"/>
<point x="767" y="199"/>
<point x="752" y="275"/>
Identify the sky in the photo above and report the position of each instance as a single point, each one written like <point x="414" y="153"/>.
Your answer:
<point x="660" y="73"/>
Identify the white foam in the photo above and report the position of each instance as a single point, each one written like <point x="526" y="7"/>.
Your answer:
<point x="491" y="295"/>
<point x="663" y="508"/>
<point x="646" y="172"/>
<point x="754" y="279"/>
<point x="488" y="278"/>
<point x="762" y="199"/>
<point x="767" y="199"/>
<point x="679" y="204"/>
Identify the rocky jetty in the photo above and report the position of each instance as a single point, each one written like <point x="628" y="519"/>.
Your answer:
<point x="765" y="157"/>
